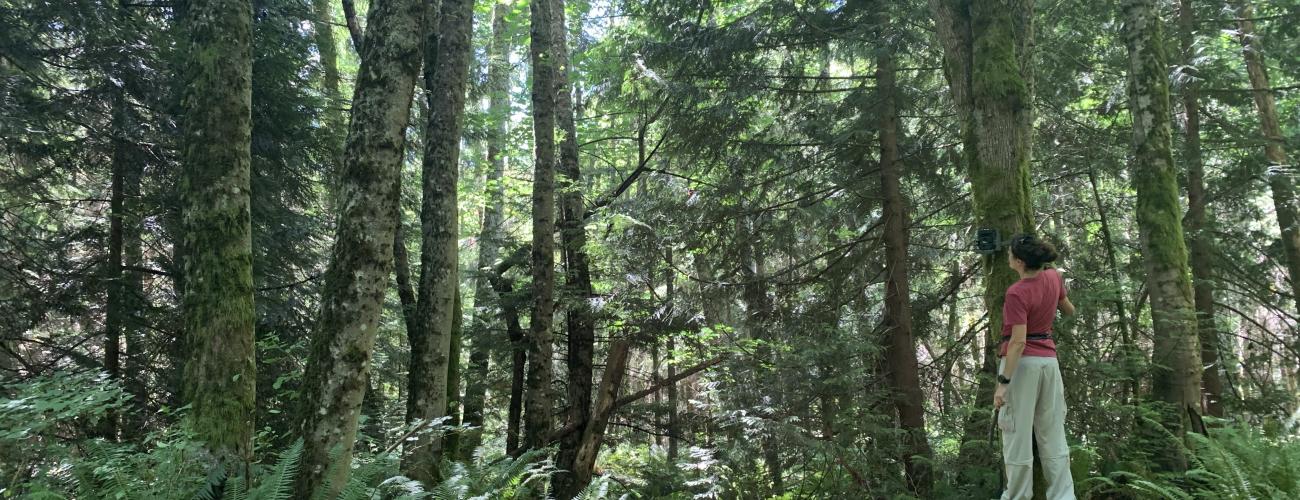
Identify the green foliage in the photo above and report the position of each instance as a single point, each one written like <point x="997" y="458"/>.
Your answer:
<point x="47" y="451"/>
<point x="1234" y="462"/>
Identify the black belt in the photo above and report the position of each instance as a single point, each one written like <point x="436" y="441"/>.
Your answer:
<point x="1031" y="336"/>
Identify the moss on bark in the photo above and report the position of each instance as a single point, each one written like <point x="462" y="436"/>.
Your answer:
<point x="1176" y="372"/>
<point x="987" y="63"/>
<point x="217" y="304"/>
<point x="446" y="76"/>
<point x="362" y="258"/>
<point x="537" y="398"/>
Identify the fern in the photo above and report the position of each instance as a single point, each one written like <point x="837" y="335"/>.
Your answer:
<point x="278" y="484"/>
<point x="237" y="488"/>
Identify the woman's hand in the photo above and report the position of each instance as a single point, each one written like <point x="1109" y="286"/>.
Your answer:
<point x="1000" y="396"/>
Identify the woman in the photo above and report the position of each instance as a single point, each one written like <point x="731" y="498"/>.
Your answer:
<point x="1030" y="394"/>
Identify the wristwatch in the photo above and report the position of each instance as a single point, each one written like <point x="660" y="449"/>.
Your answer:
<point x="1003" y="380"/>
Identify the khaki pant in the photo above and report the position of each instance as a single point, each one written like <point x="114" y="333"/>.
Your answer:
<point x="1035" y="408"/>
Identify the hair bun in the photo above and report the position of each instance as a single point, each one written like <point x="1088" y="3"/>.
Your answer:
<point x="1033" y="251"/>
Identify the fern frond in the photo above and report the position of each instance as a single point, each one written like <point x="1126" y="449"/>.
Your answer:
<point x="236" y="488"/>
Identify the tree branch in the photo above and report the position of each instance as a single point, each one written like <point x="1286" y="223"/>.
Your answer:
<point x="354" y="27"/>
<point x="632" y="398"/>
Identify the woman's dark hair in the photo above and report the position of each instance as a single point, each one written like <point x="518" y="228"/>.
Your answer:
<point x="1033" y="251"/>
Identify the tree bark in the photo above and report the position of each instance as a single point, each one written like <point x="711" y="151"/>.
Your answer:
<point x="354" y="27"/>
<point x="581" y="339"/>
<point x="900" y="348"/>
<point x="135" y="362"/>
<point x="987" y="60"/>
<point x="402" y="265"/>
<point x="758" y="315"/>
<point x="518" y="363"/>
<point x="451" y="442"/>
<point x="446" y="75"/>
<point x="334" y="383"/>
<point x="1128" y="349"/>
<point x="217" y="306"/>
<point x="1176" y="374"/>
<point x="584" y="462"/>
<point x="537" y="398"/>
<point x="518" y="346"/>
<point x="1200" y="234"/>
<point x="669" y="292"/>
<point x="124" y="289"/>
<point x="333" y="118"/>
<point x="1280" y="179"/>
<point x="492" y="232"/>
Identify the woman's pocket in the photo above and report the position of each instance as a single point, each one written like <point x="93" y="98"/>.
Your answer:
<point x="1005" y="420"/>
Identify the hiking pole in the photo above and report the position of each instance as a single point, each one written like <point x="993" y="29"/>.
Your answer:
<point x="993" y="426"/>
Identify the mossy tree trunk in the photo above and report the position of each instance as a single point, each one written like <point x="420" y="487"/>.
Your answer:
<point x="1176" y="369"/>
<point x="581" y="338"/>
<point x="446" y="75"/>
<point x="217" y="305"/>
<point x="1281" y="176"/>
<point x="362" y="258"/>
<point x="537" y="397"/>
<point x="900" y="348"/>
<point x="1198" y="224"/>
<point x="987" y="60"/>
<point x="492" y="233"/>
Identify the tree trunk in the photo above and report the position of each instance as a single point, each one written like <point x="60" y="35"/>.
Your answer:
<point x="323" y="31"/>
<point x="402" y="265"/>
<point x="333" y="118"/>
<point x="901" y="350"/>
<point x="362" y="259"/>
<point x="134" y="301"/>
<point x="451" y="442"/>
<point x="1200" y="234"/>
<point x="656" y="438"/>
<point x="581" y="341"/>
<point x="1176" y="374"/>
<point x="1280" y="181"/>
<point x="1128" y="349"/>
<point x="758" y="312"/>
<point x="492" y="232"/>
<point x="124" y="290"/>
<point x="446" y="74"/>
<point x="537" y="397"/>
<point x="217" y="306"/>
<point x="606" y="403"/>
<point x="518" y="363"/>
<point x="116" y="306"/>
<point x="987" y="62"/>
<point x="673" y="426"/>
<point x="354" y="27"/>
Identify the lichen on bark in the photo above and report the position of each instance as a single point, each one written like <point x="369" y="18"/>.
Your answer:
<point x="446" y="73"/>
<point x="217" y="302"/>
<point x="362" y="257"/>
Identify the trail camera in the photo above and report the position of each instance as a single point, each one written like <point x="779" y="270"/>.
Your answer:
<point x="987" y="241"/>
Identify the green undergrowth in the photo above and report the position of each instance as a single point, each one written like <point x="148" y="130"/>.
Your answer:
<point x="49" y="450"/>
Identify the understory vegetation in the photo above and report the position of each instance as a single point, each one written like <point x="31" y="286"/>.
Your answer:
<point x="668" y="249"/>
